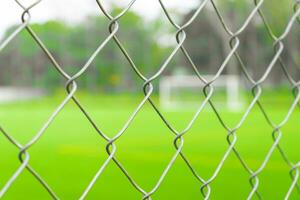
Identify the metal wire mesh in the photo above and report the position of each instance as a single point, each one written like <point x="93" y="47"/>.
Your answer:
<point x="148" y="88"/>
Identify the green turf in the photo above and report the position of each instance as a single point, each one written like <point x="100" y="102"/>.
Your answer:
<point x="70" y="152"/>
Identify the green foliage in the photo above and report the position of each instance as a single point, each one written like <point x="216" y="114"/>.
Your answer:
<point x="72" y="45"/>
<point x="278" y="13"/>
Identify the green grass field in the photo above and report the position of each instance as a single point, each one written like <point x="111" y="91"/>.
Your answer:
<point x="70" y="152"/>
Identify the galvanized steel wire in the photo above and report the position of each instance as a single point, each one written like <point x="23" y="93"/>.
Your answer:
<point x="148" y="88"/>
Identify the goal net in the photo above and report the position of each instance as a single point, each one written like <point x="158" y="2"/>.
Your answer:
<point x="184" y="91"/>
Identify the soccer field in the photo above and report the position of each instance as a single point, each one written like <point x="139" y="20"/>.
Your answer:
<point x="70" y="152"/>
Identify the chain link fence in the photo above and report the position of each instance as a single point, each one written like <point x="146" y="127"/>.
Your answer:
<point x="148" y="88"/>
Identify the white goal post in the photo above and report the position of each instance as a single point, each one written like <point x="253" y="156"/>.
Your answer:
<point x="11" y="94"/>
<point x="229" y="83"/>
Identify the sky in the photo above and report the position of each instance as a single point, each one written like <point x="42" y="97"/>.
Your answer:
<point x="73" y="11"/>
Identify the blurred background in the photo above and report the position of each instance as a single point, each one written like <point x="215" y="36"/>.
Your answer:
<point x="71" y="151"/>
